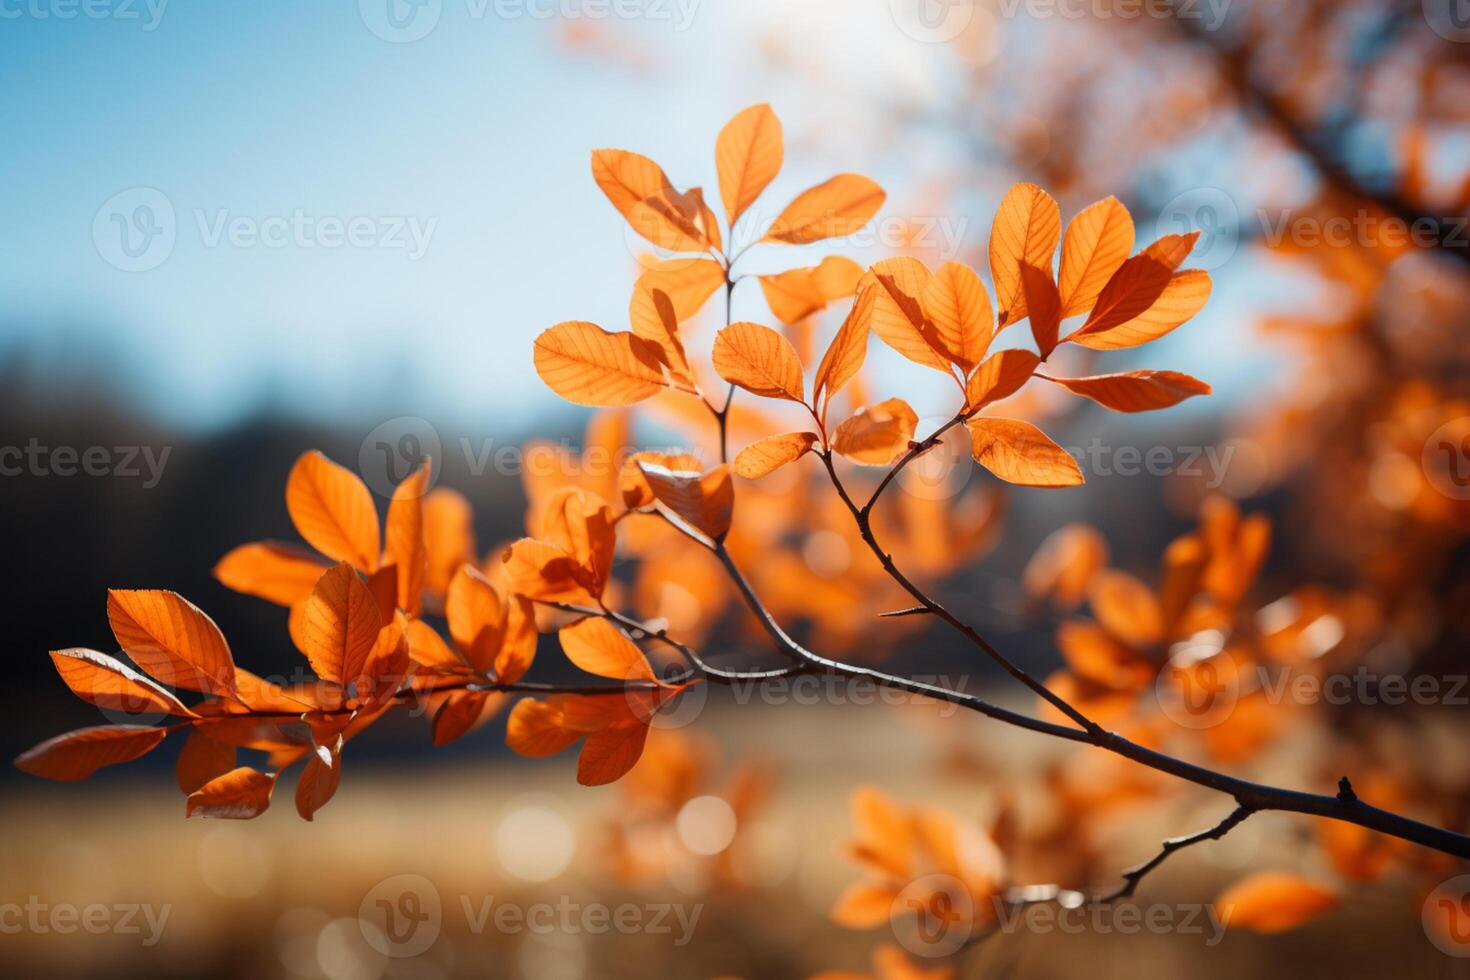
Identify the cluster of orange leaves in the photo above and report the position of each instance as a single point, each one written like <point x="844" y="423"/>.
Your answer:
<point x="358" y="600"/>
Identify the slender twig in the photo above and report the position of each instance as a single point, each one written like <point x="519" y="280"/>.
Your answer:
<point x="863" y="517"/>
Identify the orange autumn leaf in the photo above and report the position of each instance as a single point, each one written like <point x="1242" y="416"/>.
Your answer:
<point x="1274" y="901"/>
<point x="849" y="348"/>
<point x="773" y="452"/>
<point x="1064" y="565"/>
<point x="748" y="156"/>
<point x="876" y="434"/>
<point x="172" y="640"/>
<point x="688" y="283"/>
<point x="1127" y="608"/>
<point x="598" y="647"/>
<point x="239" y="794"/>
<point x="663" y="330"/>
<point x="1001" y="376"/>
<point x="1027" y="226"/>
<point x="759" y="360"/>
<point x="1098" y="240"/>
<point x="1020" y="453"/>
<point x="796" y="294"/>
<point x="280" y="573"/>
<point x="898" y="316"/>
<point x="956" y="303"/>
<point x="112" y="685"/>
<point x="340" y="625"/>
<point x="318" y="781"/>
<point x="76" y="755"/>
<point x="1043" y="306"/>
<point x="704" y="501"/>
<point x="449" y="537"/>
<point x="403" y="545"/>
<point x="836" y="207"/>
<point x="614" y="726"/>
<point x="333" y="510"/>
<point x="1136" y="391"/>
<point x="587" y="365"/>
<point x="1145" y="298"/>
<point x="201" y="759"/>
<point x="641" y="192"/>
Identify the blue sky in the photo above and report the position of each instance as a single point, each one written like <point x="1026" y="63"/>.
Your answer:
<point x="468" y="146"/>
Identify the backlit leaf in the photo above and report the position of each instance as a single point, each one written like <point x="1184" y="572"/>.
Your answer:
<point x="1097" y="242"/>
<point x="172" y="640"/>
<point x="333" y="510"/>
<point x="748" y="156"/>
<point x="957" y="304"/>
<point x="898" y="313"/>
<point x="796" y="294"/>
<point x="1042" y="306"/>
<point x="878" y="433"/>
<point x="239" y="794"/>
<point x="704" y="501"/>
<point x="773" y="452"/>
<point x="641" y="192"/>
<point x="76" y="755"/>
<point x="1027" y="226"/>
<point x="836" y="207"/>
<point x="340" y="625"/>
<point x="587" y="365"/>
<point x="1001" y="376"/>
<point x="759" y="360"/>
<point x="403" y="544"/>
<point x="598" y="647"/>
<point x="112" y="685"/>
<point x="849" y="348"/>
<point x="1136" y="391"/>
<point x="1018" y="452"/>
<point x="280" y="573"/>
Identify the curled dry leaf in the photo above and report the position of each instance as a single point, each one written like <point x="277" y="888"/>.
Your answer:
<point x="1027" y="226"/>
<point x="239" y="794"/>
<point x="773" y="452"/>
<point x="1020" y="453"/>
<point x="748" y="156"/>
<point x="1136" y="391"/>
<point x="1274" y="901"/>
<point x="704" y="501"/>
<point x="877" y="434"/>
<point x="759" y="360"/>
<point x="587" y="365"/>
<point x="836" y="207"/>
